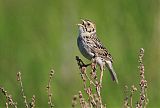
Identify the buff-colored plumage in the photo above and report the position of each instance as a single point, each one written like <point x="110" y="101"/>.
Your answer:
<point x="91" y="47"/>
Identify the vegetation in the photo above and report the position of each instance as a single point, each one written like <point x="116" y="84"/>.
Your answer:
<point x="93" y="90"/>
<point x="37" y="35"/>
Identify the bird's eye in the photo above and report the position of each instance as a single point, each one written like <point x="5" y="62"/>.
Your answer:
<point x="88" y="24"/>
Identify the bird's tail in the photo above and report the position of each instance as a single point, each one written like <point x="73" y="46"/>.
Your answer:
<point x="112" y="72"/>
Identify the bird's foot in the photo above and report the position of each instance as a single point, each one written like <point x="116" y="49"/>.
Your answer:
<point x="81" y="63"/>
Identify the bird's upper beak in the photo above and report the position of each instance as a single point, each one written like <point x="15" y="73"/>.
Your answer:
<point x="83" y="23"/>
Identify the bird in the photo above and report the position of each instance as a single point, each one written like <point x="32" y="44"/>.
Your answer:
<point x="93" y="49"/>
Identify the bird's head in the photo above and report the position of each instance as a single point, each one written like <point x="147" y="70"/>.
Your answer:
<point x="87" y="26"/>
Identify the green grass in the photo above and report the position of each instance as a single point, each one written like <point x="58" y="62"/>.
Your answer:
<point x="38" y="35"/>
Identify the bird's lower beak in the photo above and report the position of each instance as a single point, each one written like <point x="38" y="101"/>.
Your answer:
<point x="79" y="25"/>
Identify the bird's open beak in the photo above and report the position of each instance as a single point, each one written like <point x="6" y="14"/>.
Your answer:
<point x="82" y="24"/>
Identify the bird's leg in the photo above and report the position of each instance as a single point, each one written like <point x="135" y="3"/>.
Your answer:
<point x="93" y="64"/>
<point x="93" y="71"/>
<point x="101" y="75"/>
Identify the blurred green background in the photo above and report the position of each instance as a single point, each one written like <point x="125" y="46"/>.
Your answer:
<point x="37" y="35"/>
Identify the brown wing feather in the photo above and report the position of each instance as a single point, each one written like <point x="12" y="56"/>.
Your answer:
<point x="97" y="47"/>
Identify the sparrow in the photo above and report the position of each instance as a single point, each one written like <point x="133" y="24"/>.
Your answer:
<point x="92" y="48"/>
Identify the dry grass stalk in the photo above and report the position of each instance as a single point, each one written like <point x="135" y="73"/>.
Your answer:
<point x="90" y="82"/>
<point x="128" y="101"/>
<point x="19" y="79"/>
<point x="133" y="89"/>
<point x="6" y="105"/>
<point x="9" y="100"/>
<point x="143" y="100"/>
<point x="49" y="89"/>
<point x="74" y="101"/>
<point x="32" y="103"/>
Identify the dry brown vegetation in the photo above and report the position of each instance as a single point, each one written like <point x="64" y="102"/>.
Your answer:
<point x="91" y="88"/>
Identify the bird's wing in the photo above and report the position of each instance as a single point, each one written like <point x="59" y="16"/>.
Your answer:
<point x="98" y="49"/>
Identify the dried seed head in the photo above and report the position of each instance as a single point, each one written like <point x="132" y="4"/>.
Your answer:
<point x="80" y="94"/>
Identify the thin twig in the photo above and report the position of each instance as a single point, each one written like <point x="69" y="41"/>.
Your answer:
<point x="32" y="103"/>
<point x="49" y="89"/>
<point x="9" y="100"/>
<point x="74" y="101"/>
<point x="6" y="105"/>
<point x="94" y="99"/>
<point x="126" y="100"/>
<point x="133" y="89"/>
<point x="19" y="79"/>
<point x="143" y="100"/>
